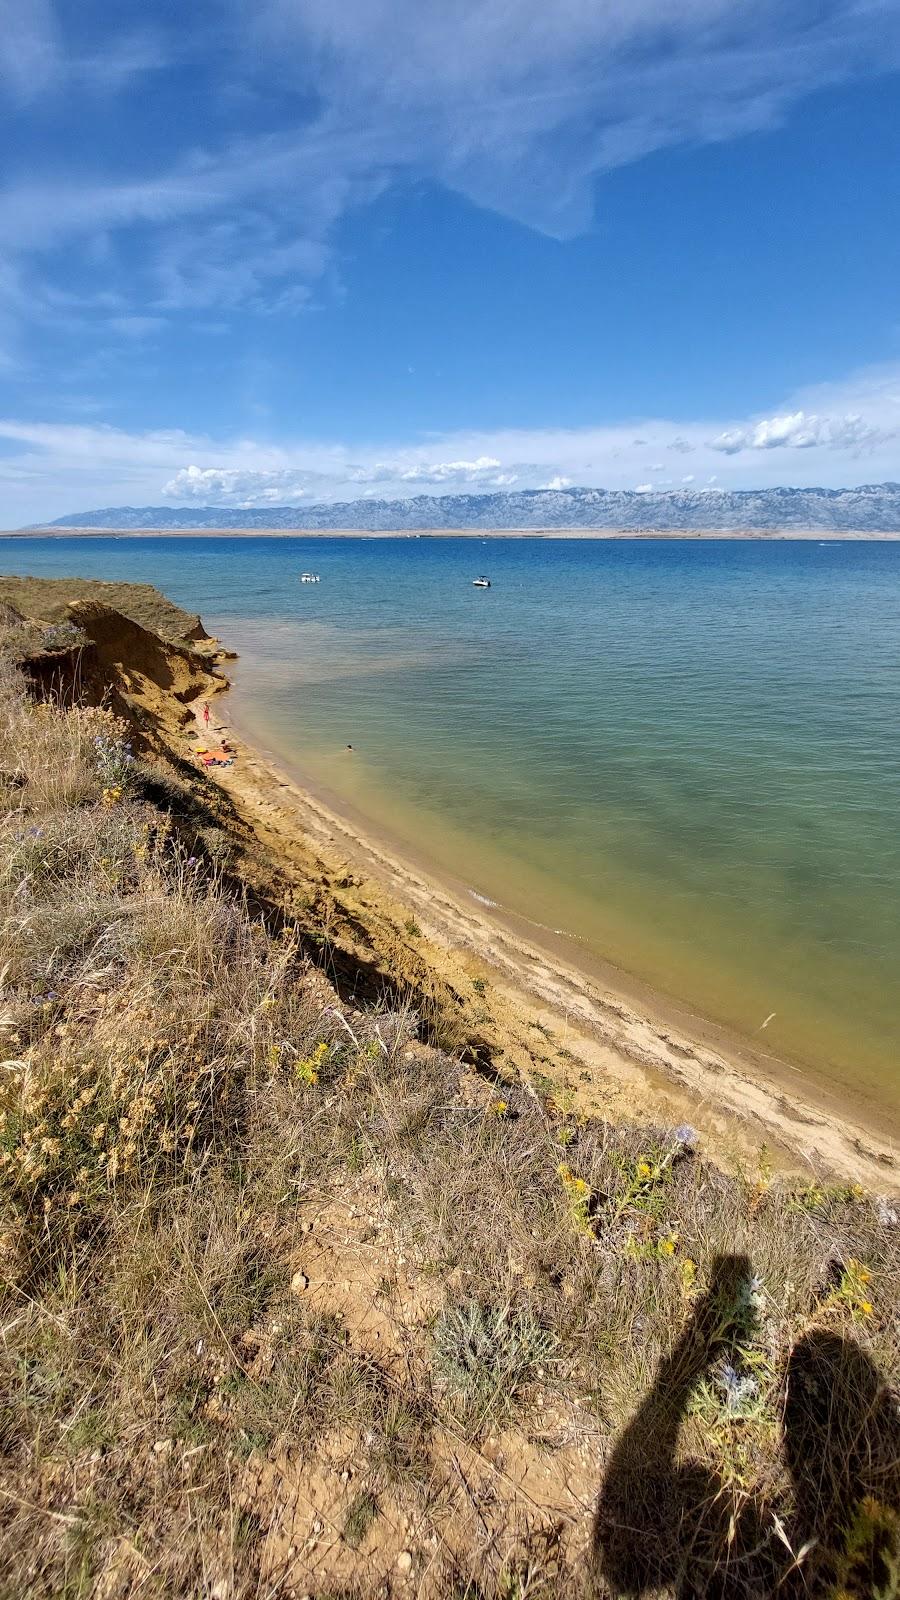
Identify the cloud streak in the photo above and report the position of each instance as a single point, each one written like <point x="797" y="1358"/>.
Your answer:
<point x="513" y="104"/>
<point x="838" y="435"/>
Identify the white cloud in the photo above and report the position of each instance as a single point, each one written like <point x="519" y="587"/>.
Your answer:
<point x="799" y="430"/>
<point x="222" y="486"/>
<point x="50" y="468"/>
<point x="514" y="104"/>
<point x="134" y="327"/>
<point x="29" y="48"/>
<point x="518" y="104"/>
<point x="486" y="469"/>
<point x="33" y="57"/>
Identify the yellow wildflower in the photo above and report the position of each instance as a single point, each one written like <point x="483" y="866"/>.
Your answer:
<point x="308" y="1070"/>
<point x="579" y="1195"/>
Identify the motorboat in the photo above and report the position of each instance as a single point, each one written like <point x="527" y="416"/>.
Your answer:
<point x="309" y="577"/>
<point x="481" y="583"/>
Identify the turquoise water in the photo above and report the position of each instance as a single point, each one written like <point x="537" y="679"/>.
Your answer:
<point x="684" y="754"/>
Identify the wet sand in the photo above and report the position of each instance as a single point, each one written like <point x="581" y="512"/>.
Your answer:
<point x="608" y="1045"/>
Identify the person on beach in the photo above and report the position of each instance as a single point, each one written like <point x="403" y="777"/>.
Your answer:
<point x="206" y="713"/>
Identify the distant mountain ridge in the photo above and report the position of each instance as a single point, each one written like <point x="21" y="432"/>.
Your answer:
<point x="873" y="508"/>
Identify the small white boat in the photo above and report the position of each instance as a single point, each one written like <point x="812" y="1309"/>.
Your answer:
<point x="309" y="577"/>
<point x="481" y="583"/>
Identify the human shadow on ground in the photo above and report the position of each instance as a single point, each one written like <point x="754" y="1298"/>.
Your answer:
<point x="842" y="1446"/>
<point x="664" y="1526"/>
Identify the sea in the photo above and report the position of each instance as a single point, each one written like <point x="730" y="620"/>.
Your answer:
<point x="680" y="756"/>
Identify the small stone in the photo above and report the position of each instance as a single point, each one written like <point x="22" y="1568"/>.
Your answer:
<point x="317" y="1526"/>
<point x="345" y="1475"/>
<point x="299" y="1283"/>
<point x="404" y="1561"/>
<point x="162" y="1447"/>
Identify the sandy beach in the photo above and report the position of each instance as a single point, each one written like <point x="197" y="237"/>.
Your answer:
<point x="605" y="1045"/>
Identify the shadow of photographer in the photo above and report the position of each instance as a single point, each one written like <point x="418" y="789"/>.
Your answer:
<point x="664" y="1525"/>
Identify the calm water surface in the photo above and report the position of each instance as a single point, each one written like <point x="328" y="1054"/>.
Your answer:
<point x="685" y="754"/>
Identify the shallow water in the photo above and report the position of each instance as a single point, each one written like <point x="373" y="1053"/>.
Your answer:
<point x="685" y="754"/>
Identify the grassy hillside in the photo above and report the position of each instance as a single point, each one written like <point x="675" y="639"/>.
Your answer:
<point x="296" y="1303"/>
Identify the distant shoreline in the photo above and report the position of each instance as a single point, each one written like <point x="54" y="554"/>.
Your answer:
<point x="825" y="535"/>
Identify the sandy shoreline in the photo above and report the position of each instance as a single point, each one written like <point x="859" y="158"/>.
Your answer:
<point x="827" y="535"/>
<point x="610" y="1048"/>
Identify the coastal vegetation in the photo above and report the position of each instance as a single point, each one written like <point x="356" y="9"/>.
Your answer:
<point x="306" y="1293"/>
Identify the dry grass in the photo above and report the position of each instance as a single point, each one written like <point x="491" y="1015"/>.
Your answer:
<point x="183" y="1099"/>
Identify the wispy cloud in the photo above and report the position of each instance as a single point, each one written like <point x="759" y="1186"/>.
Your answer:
<point x="29" y="48"/>
<point x="48" y="469"/>
<point x="35" y="60"/>
<point x="519" y="104"/>
<point x="514" y="104"/>
<point x="134" y="327"/>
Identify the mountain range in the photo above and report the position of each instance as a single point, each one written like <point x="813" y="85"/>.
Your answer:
<point x="872" y="508"/>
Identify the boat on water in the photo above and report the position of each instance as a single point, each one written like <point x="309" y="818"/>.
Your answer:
<point x="481" y="583"/>
<point x="310" y="577"/>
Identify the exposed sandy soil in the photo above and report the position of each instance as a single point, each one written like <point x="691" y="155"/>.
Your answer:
<point x="50" y="599"/>
<point x="520" y="1492"/>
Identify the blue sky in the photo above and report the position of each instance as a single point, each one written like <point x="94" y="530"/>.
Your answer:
<point x="267" y="251"/>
